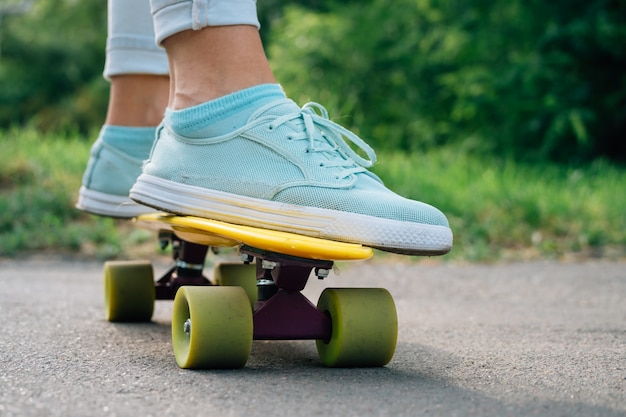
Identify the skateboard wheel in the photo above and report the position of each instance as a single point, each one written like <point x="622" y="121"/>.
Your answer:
<point x="364" y="327"/>
<point x="211" y="327"/>
<point x="237" y="275"/>
<point x="128" y="291"/>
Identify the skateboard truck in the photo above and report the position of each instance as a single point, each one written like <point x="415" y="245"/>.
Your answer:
<point x="282" y="312"/>
<point x="187" y="269"/>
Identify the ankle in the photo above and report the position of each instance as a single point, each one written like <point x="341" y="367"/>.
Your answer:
<point x="137" y="100"/>
<point x="232" y="59"/>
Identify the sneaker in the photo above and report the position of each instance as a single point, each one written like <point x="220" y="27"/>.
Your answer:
<point x="107" y="180"/>
<point x="288" y="169"/>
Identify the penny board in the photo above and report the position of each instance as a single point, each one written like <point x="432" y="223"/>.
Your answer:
<point x="217" y="233"/>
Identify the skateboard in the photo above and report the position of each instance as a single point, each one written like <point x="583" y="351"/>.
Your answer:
<point x="214" y="321"/>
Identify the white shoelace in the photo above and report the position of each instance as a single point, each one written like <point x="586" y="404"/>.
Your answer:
<point x="324" y="135"/>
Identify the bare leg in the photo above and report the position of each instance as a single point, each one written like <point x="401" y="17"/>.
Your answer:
<point x="137" y="103"/>
<point x="213" y="62"/>
<point x="138" y="72"/>
<point x="137" y="99"/>
<point x="234" y="148"/>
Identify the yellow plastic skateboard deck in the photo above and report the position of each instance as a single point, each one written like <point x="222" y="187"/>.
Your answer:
<point x="216" y="233"/>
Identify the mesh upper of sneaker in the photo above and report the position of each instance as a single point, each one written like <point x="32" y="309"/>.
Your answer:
<point x="290" y="155"/>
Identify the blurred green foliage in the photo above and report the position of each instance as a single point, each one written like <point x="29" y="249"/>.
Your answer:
<point x="532" y="80"/>
<point x="51" y="66"/>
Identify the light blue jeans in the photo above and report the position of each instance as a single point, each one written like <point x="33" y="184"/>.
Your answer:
<point x="134" y="34"/>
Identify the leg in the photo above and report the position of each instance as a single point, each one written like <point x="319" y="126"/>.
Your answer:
<point x="234" y="148"/>
<point x="136" y="67"/>
<point x="137" y="99"/>
<point x="138" y="72"/>
<point x="232" y="59"/>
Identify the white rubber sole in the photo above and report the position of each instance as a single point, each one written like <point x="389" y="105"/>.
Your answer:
<point x="110" y="205"/>
<point x="389" y="235"/>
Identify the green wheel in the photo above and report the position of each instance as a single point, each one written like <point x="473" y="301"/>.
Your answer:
<point x="364" y="327"/>
<point x="128" y="291"/>
<point x="211" y="327"/>
<point x="237" y="275"/>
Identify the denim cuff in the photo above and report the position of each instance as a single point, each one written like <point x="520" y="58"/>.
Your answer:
<point x="130" y="54"/>
<point x="173" y="16"/>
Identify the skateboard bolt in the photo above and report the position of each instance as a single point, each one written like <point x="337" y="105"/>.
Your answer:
<point x="322" y="273"/>
<point x="247" y="258"/>
<point x="269" y="264"/>
<point x="187" y="327"/>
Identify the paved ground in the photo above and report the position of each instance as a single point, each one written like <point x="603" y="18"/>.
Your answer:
<point x="541" y="338"/>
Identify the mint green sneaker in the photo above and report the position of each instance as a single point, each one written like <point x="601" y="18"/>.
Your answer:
<point x="288" y="169"/>
<point x="107" y="180"/>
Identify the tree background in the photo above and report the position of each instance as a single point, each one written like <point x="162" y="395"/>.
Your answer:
<point x="526" y="79"/>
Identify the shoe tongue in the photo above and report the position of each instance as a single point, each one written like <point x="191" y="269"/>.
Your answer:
<point x="276" y="108"/>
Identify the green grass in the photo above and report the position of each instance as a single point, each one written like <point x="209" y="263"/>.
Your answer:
<point x="498" y="209"/>
<point x="503" y="209"/>
<point x="39" y="179"/>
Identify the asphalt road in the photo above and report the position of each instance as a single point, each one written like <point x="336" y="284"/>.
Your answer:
<point x="540" y="338"/>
